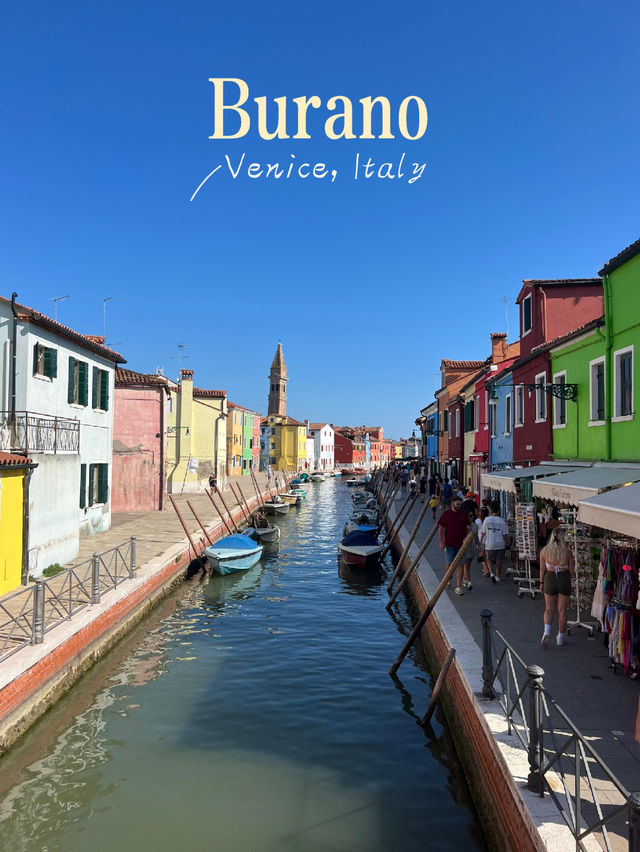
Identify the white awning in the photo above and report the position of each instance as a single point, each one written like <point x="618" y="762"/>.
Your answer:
<point x="505" y="480"/>
<point x="617" y="510"/>
<point x="582" y="483"/>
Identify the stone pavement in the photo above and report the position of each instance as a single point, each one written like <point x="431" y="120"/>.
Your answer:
<point x="605" y="707"/>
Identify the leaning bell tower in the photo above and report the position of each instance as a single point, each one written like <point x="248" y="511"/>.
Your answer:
<point x="278" y="384"/>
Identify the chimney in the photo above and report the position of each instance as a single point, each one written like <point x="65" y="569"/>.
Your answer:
<point x="498" y="347"/>
<point x="185" y="408"/>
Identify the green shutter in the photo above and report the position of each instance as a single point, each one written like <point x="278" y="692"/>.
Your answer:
<point x="83" y="486"/>
<point x="92" y="468"/>
<point x="51" y="363"/>
<point x="104" y="390"/>
<point x="103" y="482"/>
<point x="83" y="383"/>
<point x="35" y="358"/>
<point x="94" y="389"/>
<point x="72" y="372"/>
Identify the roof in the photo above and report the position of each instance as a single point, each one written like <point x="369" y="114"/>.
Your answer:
<point x="619" y="259"/>
<point x="127" y="378"/>
<point x="556" y="282"/>
<point x="278" y="361"/>
<point x="89" y="342"/>
<point x="208" y="393"/>
<point x="316" y="426"/>
<point x="241" y="407"/>
<point x="13" y="460"/>
<point x="461" y="365"/>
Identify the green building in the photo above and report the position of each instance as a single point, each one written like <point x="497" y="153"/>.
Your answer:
<point x="599" y="359"/>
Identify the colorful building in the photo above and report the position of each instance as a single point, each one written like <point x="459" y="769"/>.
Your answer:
<point x="243" y="440"/>
<point x="140" y="404"/>
<point x="15" y="472"/>
<point x="285" y="442"/>
<point x="324" y="442"/>
<point x="196" y="436"/>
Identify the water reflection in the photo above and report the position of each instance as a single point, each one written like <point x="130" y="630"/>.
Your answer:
<point x="359" y="581"/>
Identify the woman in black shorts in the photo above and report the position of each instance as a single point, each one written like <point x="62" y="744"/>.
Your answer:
<point x="557" y="569"/>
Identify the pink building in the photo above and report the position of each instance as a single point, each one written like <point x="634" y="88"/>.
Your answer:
<point x="139" y="442"/>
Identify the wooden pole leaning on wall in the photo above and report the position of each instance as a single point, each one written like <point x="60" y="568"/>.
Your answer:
<point x="386" y="515"/>
<point x="227" y="510"/>
<point x="392" y="486"/>
<point x="228" y="528"/>
<point x="414" y="532"/>
<point x="237" y="493"/>
<point x="438" y="686"/>
<point x="412" y="567"/>
<point x="256" y="489"/>
<point x="197" y="555"/>
<point x="430" y="607"/>
<point x="399" y="521"/>
<point x="387" y="506"/>
<point x="245" y="503"/>
<point x="193" y="512"/>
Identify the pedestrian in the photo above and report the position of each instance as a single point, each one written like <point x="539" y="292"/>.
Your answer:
<point x="494" y="541"/>
<point x="412" y="485"/>
<point x="471" y="552"/>
<point x="433" y="505"/>
<point x="432" y="485"/>
<point x="423" y="486"/>
<point x="557" y="569"/>
<point x="452" y="530"/>
<point x="404" y="478"/>
<point x="447" y="494"/>
<point x="482" y="557"/>
<point x="213" y="483"/>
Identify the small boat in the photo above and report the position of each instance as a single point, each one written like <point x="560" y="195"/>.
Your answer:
<point x="277" y="506"/>
<point x="360" y="525"/>
<point x="317" y="477"/>
<point x="350" y="483"/>
<point x="291" y="497"/>
<point x="301" y="492"/>
<point x="360" y="497"/>
<point x="369" y="514"/>
<point x="261" y="529"/>
<point x="360" y="550"/>
<point x="337" y="473"/>
<point x="233" y="553"/>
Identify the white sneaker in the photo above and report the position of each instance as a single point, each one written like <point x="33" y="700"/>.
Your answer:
<point x="545" y="640"/>
<point x="559" y="639"/>
<point x="459" y="590"/>
<point x="469" y="586"/>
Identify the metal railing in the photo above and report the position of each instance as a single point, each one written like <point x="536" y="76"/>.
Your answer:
<point x="26" y="432"/>
<point x="561" y="761"/>
<point x="28" y="613"/>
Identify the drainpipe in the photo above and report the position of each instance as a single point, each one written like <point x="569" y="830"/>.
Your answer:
<point x="608" y="382"/>
<point x="14" y="359"/>
<point x="25" y="522"/>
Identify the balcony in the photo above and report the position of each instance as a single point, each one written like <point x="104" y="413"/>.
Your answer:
<point x="30" y="433"/>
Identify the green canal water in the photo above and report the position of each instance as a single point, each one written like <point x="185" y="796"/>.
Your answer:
<point x="252" y="713"/>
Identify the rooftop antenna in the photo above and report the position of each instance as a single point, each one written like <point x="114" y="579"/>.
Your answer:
<point x="104" y="315"/>
<point x="55" y="305"/>
<point x="506" y="316"/>
<point x="180" y="356"/>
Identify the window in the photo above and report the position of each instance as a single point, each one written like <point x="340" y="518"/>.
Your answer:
<point x="45" y="361"/>
<point x="469" y="416"/>
<point x="493" y="407"/>
<point x="519" y="419"/>
<point x="447" y="424"/>
<point x="272" y="459"/>
<point x="559" y="403"/>
<point x="78" y="392"/>
<point x="98" y="483"/>
<point x="541" y="397"/>
<point x="273" y="430"/>
<point x="623" y="384"/>
<point x="526" y="315"/>
<point x="457" y="422"/>
<point x="507" y="414"/>
<point x="477" y="413"/>
<point x="272" y="445"/>
<point x="100" y="390"/>
<point x="596" y="391"/>
<point x="83" y="486"/>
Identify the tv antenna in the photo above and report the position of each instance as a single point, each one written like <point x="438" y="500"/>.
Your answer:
<point x="506" y="316"/>
<point x="180" y="356"/>
<point x="104" y="315"/>
<point x="55" y="305"/>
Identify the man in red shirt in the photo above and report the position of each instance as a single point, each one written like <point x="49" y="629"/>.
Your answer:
<point x="452" y="530"/>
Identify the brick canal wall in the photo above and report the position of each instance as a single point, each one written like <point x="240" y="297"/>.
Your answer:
<point x="35" y="677"/>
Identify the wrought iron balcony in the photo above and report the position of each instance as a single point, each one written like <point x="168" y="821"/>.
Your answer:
<point x="30" y="433"/>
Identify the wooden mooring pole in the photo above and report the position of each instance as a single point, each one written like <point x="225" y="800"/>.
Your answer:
<point x="430" y="607"/>
<point x="193" y="512"/>
<point x="414" y="532"/>
<point x="413" y="565"/>
<point x="227" y="510"/>
<point x="398" y="523"/>
<point x="228" y="528"/>
<point x="197" y="555"/>
<point x="257" y="490"/>
<point x="238" y="496"/>
<point x="438" y="686"/>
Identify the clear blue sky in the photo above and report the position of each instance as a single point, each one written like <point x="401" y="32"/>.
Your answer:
<point x="532" y="152"/>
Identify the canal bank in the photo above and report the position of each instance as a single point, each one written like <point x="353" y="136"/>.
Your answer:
<point x="35" y="676"/>
<point x="573" y="675"/>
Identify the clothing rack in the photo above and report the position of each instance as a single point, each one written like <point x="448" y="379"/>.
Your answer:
<point x="571" y="515"/>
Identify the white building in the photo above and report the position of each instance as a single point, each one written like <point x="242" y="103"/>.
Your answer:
<point x="324" y="444"/>
<point x="56" y="405"/>
<point x="311" y="452"/>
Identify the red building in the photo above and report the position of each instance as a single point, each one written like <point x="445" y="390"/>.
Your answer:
<point x="349" y="447"/>
<point x="548" y="310"/>
<point x="139" y="442"/>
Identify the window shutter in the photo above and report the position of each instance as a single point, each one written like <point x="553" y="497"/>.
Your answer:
<point x="103" y="483"/>
<point x="94" y="389"/>
<point x="104" y="390"/>
<point x="72" y="375"/>
<point x="92" y="468"/>
<point x="83" y="383"/>
<point x="51" y="363"/>
<point x="600" y="391"/>
<point x="83" y="486"/>
<point x="35" y="358"/>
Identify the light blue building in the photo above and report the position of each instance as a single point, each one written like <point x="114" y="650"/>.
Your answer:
<point x="430" y="414"/>
<point x="501" y="422"/>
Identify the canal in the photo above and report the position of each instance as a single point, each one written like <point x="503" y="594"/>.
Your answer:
<point x="248" y="714"/>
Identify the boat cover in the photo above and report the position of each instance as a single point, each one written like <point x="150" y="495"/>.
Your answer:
<point x="359" y="539"/>
<point x="235" y="542"/>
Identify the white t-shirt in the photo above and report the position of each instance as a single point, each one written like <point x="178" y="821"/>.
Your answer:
<point x="494" y="529"/>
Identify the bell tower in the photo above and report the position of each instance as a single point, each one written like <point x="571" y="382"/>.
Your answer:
<point x="278" y="384"/>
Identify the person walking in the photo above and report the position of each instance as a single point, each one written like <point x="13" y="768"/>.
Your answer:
<point x="494" y="541"/>
<point x="482" y="556"/>
<point x="433" y="505"/>
<point x="452" y="530"/>
<point x="447" y="494"/>
<point x="557" y="569"/>
<point x="423" y="486"/>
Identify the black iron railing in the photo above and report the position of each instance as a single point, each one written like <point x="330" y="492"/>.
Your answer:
<point x="29" y="433"/>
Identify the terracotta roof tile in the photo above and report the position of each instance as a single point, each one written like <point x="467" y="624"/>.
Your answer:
<point x="13" y="459"/>
<point x="205" y="393"/>
<point x="130" y="377"/>
<point x="619" y="259"/>
<point x="462" y="365"/>
<point x="556" y="282"/>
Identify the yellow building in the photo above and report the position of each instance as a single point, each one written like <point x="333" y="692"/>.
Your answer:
<point x="286" y="443"/>
<point x="234" y="439"/>
<point x="196" y="436"/>
<point x="15" y="471"/>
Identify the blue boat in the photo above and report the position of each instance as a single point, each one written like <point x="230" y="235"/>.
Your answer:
<point x="233" y="553"/>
